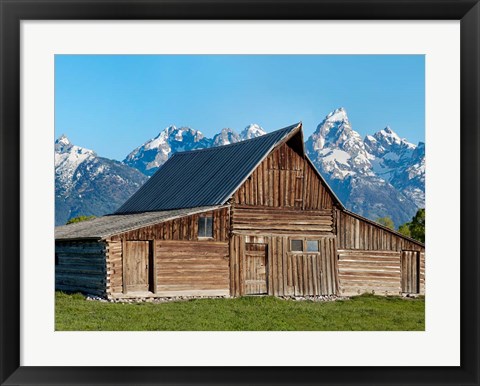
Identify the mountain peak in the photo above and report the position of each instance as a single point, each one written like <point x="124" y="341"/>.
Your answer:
<point x="63" y="140"/>
<point x="389" y="138"/>
<point x="252" y="131"/>
<point x="226" y="137"/>
<point x="335" y="131"/>
<point x="153" y="153"/>
<point x="62" y="144"/>
<point x="337" y="115"/>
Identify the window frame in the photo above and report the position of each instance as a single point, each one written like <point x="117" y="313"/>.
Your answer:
<point x="205" y="220"/>
<point x="302" y="240"/>
<point x="305" y="241"/>
<point x="315" y="241"/>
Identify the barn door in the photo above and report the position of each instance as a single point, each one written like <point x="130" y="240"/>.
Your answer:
<point x="410" y="272"/>
<point x="136" y="262"/>
<point x="255" y="269"/>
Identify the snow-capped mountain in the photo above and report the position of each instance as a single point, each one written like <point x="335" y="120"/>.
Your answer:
<point x="155" y="152"/>
<point x="86" y="184"/>
<point x="68" y="158"/>
<point x="152" y="154"/>
<point x="338" y="149"/>
<point x="252" y="131"/>
<point x="380" y="175"/>
<point x="399" y="162"/>
<point x="377" y="176"/>
<point x="226" y="137"/>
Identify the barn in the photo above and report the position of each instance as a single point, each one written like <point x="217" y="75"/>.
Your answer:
<point x="249" y="218"/>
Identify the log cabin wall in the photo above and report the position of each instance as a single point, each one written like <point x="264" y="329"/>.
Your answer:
<point x="251" y="220"/>
<point x="370" y="259"/>
<point x="183" y="228"/>
<point x="192" y="268"/>
<point x="80" y="266"/>
<point x="208" y="257"/>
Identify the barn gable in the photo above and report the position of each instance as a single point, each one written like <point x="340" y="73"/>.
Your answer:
<point x="286" y="178"/>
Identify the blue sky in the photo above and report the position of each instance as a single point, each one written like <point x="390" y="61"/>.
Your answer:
<point x="114" y="103"/>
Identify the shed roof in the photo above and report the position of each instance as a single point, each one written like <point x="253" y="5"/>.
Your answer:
<point x="204" y="177"/>
<point x="102" y="227"/>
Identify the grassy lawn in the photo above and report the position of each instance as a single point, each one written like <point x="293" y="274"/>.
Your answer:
<point x="366" y="312"/>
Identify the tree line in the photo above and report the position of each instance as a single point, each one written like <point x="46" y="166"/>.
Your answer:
<point x="414" y="229"/>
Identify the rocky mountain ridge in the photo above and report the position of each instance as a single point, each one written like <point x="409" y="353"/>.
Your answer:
<point x="86" y="184"/>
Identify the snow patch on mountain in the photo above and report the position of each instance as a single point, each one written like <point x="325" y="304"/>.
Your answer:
<point x="148" y="157"/>
<point x="252" y="131"/>
<point x="399" y="162"/>
<point x="338" y="149"/>
<point x="369" y="175"/>
<point x="68" y="158"/>
<point x="86" y="184"/>
<point x="226" y="137"/>
<point x="155" y="152"/>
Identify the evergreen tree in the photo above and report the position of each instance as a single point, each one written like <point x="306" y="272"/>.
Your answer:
<point x="415" y="228"/>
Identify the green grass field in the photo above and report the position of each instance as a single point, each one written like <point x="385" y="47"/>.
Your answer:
<point x="361" y="313"/>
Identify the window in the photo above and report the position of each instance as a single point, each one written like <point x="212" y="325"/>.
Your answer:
<point x="296" y="245"/>
<point x="205" y="227"/>
<point x="312" y="246"/>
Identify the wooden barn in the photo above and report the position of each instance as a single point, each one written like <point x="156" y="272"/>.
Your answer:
<point x="250" y="218"/>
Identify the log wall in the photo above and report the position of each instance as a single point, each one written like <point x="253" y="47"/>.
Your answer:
<point x="288" y="273"/>
<point x="80" y="267"/>
<point x="180" y="238"/>
<point x="375" y="272"/>
<point x="370" y="258"/>
<point x="284" y="179"/>
<point x="183" y="228"/>
<point x="254" y="220"/>
<point x="187" y="268"/>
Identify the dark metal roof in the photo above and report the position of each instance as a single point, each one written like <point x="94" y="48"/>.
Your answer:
<point x="105" y="226"/>
<point x="203" y="177"/>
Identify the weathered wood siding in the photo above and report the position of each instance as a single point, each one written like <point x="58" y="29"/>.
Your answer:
<point x="288" y="273"/>
<point x="370" y="258"/>
<point x="284" y="198"/>
<point x="354" y="233"/>
<point x="422" y="273"/>
<point x="369" y="272"/>
<point x="413" y="272"/>
<point x="81" y="266"/>
<point x="284" y="179"/>
<point x="260" y="220"/>
<point x="180" y="240"/>
<point x="183" y="228"/>
<point x="114" y="267"/>
<point x="186" y="268"/>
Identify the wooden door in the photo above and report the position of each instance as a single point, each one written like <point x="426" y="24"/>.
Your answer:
<point x="255" y="269"/>
<point x="136" y="263"/>
<point x="410" y="264"/>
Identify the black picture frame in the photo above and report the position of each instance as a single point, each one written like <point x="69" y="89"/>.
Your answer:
<point x="13" y="11"/>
